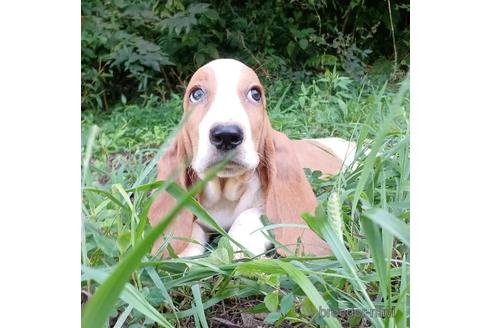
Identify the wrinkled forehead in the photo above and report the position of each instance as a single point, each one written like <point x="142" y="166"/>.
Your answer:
<point x="223" y="75"/>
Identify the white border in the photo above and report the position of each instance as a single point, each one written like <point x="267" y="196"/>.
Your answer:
<point x="450" y="163"/>
<point x="40" y="163"/>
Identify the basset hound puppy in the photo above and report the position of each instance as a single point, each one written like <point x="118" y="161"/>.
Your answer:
<point x="226" y="112"/>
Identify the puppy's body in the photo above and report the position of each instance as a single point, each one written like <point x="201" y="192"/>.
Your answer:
<point x="236" y="204"/>
<point x="226" y="198"/>
<point x="225" y="104"/>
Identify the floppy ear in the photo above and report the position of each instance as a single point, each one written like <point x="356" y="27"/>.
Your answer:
<point x="173" y="164"/>
<point x="288" y="195"/>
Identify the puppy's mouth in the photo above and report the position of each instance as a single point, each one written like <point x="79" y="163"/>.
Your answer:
<point x="231" y="165"/>
<point x="239" y="162"/>
<point x="232" y="168"/>
<point x="235" y="163"/>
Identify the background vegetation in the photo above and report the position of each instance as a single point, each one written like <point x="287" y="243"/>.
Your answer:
<point x="331" y="68"/>
<point x="133" y="50"/>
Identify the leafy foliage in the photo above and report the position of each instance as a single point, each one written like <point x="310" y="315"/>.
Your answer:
<point x="133" y="50"/>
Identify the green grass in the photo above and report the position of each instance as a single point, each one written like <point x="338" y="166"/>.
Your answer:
<point x="363" y="215"/>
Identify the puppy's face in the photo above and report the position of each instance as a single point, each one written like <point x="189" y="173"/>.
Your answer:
<point x="225" y="102"/>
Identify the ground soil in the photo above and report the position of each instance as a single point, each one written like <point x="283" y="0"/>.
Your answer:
<point x="231" y="313"/>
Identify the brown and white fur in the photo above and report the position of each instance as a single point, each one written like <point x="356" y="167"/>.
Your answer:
<point x="264" y="177"/>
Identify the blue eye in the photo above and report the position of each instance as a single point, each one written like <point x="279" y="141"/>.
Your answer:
<point x="196" y="95"/>
<point x="254" y="94"/>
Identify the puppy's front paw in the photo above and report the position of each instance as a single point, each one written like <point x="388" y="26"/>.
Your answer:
<point x="192" y="250"/>
<point x="252" y="246"/>
<point x="245" y="230"/>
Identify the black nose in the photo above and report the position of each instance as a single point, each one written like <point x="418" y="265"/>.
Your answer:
<point x="226" y="137"/>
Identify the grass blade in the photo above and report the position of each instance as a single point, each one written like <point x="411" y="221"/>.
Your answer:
<point x="134" y="216"/>
<point x="326" y="232"/>
<point x="390" y="223"/>
<point x="378" y="142"/>
<point x="364" y="131"/>
<point x="88" y="152"/>
<point x="107" y="194"/>
<point x="402" y="305"/>
<point x="374" y="240"/>
<point x="308" y="288"/>
<point x="199" y="305"/>
<point x="122" y="318"/>
<point x="158" y="283"/>
<point x="130" y="295"/>
<point x="97" y="309"/>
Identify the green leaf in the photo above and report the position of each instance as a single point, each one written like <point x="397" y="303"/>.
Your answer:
<point x="106" y="245"/>
<point x="273" y="280"/>
<point x="199" y="305"/>
<point x="355" y="319"/>
<point x="308" y="288"/>
<point x="158" y="283"/>
<point x="199" y="59"/>
<point x="212" y="14"/>
<point x="107" y="194"/>
<point x="290" y="48"/>
<point x="134" y="217"/>
<point x="271" y="301"/>
<point x="197" y="8"/>
<point x="390" y="223"/>
<point x="375" y="242"/>
<point x="376" y="145"/>
<point x="303" y="43"/>
<point x="261" y="265"/>
<point x="225" y="244"/>
<point x="325" y="230"/>
<point x="271" y="318"/>
<point x="219" y="256"/>
<point x="88" y="152"/>
<point x="287" y="303"/>
<point x="123" y="241"/>
<point x="307" y="308"/>
<point x="146" y="187"/>
<point x="122" y="318"/>
<point x="130" y="295"/>
<point x="402" y="305"/>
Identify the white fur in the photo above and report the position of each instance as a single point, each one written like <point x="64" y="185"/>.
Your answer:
<point x="197" y="247"/>
<point x="225" y="109"/>
<point x="236" y="207"/>
<point x="244" y="231"/>
<point x="237" y="195"/>
<point x="343" y="149"/>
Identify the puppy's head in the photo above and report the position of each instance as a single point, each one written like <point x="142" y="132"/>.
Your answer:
<point x="224" y="106"/>
<point x="225" y="102"/>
